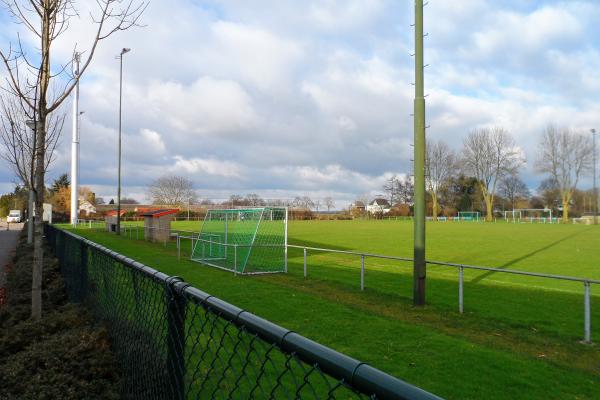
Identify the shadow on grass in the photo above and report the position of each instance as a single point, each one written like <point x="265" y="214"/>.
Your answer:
<point x="526" y="256"/>
<point x="556" y="314"/>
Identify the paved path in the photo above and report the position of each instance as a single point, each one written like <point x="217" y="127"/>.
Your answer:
<point x="8" y="242"/>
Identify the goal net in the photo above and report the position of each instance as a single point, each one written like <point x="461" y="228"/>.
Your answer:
<point x="244" y="241"/>
<point x="529" y="215"/>
<point x="468" y="216"/>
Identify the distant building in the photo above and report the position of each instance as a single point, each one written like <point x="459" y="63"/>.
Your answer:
<point x="379" y="206"/>
<point x="86" y="207"/>
<point x="357" y="206"/>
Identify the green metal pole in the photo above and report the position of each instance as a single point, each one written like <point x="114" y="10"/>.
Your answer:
<point x="419" y="162"/>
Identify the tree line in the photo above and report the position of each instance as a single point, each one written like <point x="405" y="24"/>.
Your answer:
<point x="484" y="174"/>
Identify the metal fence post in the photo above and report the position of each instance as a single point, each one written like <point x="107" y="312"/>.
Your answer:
<point x="176" y="305"/>
<point x="362" y="272"/>
<point x="83" y="271"/>
<point x="461" y="273"/>
<point x="305" y="270"/>
<point x="587" y="310"/>
<point x="178" y="248"/>
<point x="235" y="259"/>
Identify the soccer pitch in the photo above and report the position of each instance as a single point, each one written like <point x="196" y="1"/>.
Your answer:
<point x="572" y="250"/>
<point x="518" y="337"/>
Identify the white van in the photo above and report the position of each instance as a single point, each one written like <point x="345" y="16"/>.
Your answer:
<point x="14" y="216"/>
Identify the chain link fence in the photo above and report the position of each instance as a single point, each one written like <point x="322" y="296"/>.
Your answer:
<point x="177" y="342"/>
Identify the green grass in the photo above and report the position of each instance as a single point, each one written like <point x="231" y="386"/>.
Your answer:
<point x="518" y="337"/>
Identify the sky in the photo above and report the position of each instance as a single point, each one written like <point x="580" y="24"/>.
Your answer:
<point x="289" y="98"/>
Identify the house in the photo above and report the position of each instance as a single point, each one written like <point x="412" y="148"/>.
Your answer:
<point x="357" y="206"/>
<point x="379" y="206"/>
<point x="86" y="207"/>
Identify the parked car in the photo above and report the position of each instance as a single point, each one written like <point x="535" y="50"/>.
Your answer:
<point x="14" y="216"/>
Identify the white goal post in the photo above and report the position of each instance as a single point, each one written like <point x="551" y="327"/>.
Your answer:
<point x="529" y="215"/>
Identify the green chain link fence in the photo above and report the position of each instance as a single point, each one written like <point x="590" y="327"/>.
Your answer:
<point x="177" y="342"/>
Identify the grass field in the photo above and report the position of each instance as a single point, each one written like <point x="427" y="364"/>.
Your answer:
<point x="518" y="337"/>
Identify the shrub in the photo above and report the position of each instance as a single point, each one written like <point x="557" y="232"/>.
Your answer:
<point x="63" y="356"/>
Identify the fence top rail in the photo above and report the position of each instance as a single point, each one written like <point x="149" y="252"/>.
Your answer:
<point x="360" y="376"/>
<point x="516" y="272"/>
<point x="455" y="265"/>
<point x="355" y="253"/>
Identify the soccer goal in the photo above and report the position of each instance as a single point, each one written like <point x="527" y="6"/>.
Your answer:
<point x="541" y="215"/>
<point x="244" y="241"/>
<point x="468" y="216"/>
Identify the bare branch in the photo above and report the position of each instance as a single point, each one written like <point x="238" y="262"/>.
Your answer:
<point x="566" y="156"/>
<point x="488" y="155"/>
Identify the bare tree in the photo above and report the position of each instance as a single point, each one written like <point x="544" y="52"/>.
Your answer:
<point x="513" y="188"/>
<point x="317" y="204"/>
<point x="406" y="190"/>
<point x="440" y="166"/>
<point x="18" y="140"/>
<point x="488" y="155"/>
<point x="304" y="202"/>
<point x="392" y="188"/>
<point x="172" y="190"/>
<point x="42" y="88"/>
<point x="329" y="203"/>
<point x="399" y="189"/>
<point x="254" y="200"/>
<point x="565" y="155"/>
<point x="235" y="200"/>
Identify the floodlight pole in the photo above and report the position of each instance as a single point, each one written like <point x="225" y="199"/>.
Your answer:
<point x="125" y="50"/>
<point x="419" y="162"/>
<point x="75" y="148"/>
<point x="594" y="167"/>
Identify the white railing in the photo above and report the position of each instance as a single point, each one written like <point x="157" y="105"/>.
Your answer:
<point x="461" y="267"/>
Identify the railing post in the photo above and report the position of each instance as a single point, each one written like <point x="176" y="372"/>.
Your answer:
<point x="362" y="272"/>
<point x="178" y="248"/>
<point x="461" y="273"/>
<point x="235" y="259"/>
<point x="587" y="311"/>
<point x="176" y="305"/>
<point x="305" y="269"/>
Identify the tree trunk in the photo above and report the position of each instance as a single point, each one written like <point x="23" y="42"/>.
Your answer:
<point x="38" y="224"/>
<point x="434" y="206"/>
<point x="40" y="132"/>
<point x="489" y="207"/>
<point x="565" y="216"/>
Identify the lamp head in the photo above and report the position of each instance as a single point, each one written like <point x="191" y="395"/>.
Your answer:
<point x="125" y="50"/>
<point x="593" y="130"/>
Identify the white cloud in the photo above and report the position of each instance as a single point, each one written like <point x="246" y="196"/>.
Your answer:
<point x="342" y="15"/>
<point x="207" y="106"/>
<point x="153" y="140"/>
<point x="255" y="55"/>
<point x="201" y="167"/>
